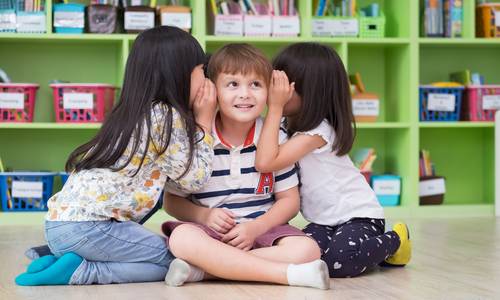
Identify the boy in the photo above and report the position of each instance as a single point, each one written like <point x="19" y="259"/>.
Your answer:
<point x="240" y="209"/>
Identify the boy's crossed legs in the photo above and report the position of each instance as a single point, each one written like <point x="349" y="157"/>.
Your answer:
<point x="294" y="260"/>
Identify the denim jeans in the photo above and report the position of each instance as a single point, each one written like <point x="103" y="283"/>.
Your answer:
<point x="113" y="252"/>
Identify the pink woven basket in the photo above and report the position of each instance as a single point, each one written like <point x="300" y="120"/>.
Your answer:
<point x="82" y="102"/>
<point x="17" y="102"/>
<point x="482" y="101"/>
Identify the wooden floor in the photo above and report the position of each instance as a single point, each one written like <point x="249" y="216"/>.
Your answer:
<point x="453" y="259"/>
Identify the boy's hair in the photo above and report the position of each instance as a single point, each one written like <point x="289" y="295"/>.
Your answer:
<point x="158" y="71"/>
<point x="239" y="58"/>
<point x="321" y="81"/>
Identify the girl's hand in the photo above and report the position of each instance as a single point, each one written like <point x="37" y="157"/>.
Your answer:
<point x="280" y="90"/>
<point x="221" y="220"/>
<point x="242" y="236"/>
<point x="205" y="105"/>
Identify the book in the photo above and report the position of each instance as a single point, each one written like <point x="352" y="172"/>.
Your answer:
<point x="453" y="12"/>
<point x="364" y="158"/>
<point x="356" y="80"/>
<point x="433" y="18"/>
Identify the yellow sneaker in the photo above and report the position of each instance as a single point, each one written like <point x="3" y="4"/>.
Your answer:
<point x="403" y="254"/>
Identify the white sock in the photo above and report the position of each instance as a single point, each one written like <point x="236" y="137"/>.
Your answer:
<point x="313" y="274"/>
<point x="181" y="272"/>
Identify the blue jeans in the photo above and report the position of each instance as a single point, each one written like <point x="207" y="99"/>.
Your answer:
<point x="113" y="252"/>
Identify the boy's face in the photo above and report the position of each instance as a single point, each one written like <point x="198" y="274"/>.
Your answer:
<point x="241" y="97"/>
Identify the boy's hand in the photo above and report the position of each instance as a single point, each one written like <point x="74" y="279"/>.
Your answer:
<point x="280" y="90"/>
<point x="205" y="105"/>
<point x="221" y="220"/>
<point x="242" y="236"/>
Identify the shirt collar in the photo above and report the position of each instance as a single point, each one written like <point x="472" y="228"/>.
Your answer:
<point x="251" y="139"/>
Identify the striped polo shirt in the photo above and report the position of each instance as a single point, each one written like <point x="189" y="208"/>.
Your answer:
<point x="235" y="184"/>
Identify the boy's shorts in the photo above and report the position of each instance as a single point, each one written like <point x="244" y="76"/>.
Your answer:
<point x="267" y="239"/>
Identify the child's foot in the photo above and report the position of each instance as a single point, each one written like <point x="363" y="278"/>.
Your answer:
<point x="37" y="252"/>
<point x="313" y="274"/>
<point x="181" y="272"/>
<point x="58" y="273"/>
<point x="403" y="254"/>
<point x="41" y="264"/>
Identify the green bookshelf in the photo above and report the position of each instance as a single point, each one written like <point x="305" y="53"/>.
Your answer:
<point x="393" y="67"/>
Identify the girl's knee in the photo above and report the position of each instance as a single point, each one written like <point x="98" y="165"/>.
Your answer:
<point x="182" y="240"/>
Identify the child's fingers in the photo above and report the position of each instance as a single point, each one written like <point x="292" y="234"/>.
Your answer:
<point x="285" y="79"/>
<point x="230" y="214"/>
<point x="229" y="236"/>
<point x="274" y="77"/>
<point x="236" y="242"/>
<point x="201" y="91"/>
<point x="292" y="88"/>
<point x="213" y="92"/>
<point x="216" y="229"/>
<point x="225" y="225"/>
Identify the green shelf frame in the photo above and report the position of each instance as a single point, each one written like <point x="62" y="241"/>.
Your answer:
<point x="393" y="67"/>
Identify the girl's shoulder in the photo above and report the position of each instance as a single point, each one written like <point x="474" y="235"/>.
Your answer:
<point x="159" y="112"/>
<point x="324" y="130"/>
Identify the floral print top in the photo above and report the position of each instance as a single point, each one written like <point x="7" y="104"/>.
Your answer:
<point x="100" y="194"/>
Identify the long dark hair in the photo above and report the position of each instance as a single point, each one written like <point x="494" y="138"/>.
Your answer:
<point x="158" y="71"/>
<point x="321" y="81"/>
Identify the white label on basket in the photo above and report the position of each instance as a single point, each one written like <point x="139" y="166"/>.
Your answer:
<point x="365" y="107"/>
<point x="69" y="19"/>
<point x="8" y="21"/>
<point x="139" y="20"/>
<point x="78" y="101"/>
<point x="136" y="2"/>
<point x="322" y="27"/>
<point x="286" y="26"/>
<point x="431" y="187"/>
<point x="181" y="20"/>
<point x="31" y="23"/>
<point x="231" y="25"/>
<point x="441" y="102"/>
<point x="387" y="187"/>
<point x="491" y="102"/>
<point x="497" y="18"/>
<point x="257" y="25"/>
<point x="347" y="27"/>
<point x="27" y="189"/>
<point x="12" y="100"/>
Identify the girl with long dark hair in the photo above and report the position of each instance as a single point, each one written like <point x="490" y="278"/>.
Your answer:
<point x="160" y="129"/>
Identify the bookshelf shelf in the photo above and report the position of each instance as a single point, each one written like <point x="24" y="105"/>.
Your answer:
<point x="459" y="41"/>
<point x="378" y="125"/>
<point x="393" y="67"/>
<point x="48" y="125"/>
<point x="461" y="124"/>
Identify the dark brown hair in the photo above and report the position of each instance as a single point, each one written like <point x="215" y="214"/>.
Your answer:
<point x="158" y="71"/>
<point x="321" y="81"/>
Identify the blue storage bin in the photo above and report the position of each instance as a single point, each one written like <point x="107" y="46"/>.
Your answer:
<point x="387" y="188"/>
<point x="64" y="177"/>
<point x="431" y="115"/>
<point x="71" y="24"/>
<point x="26" y="191"/>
